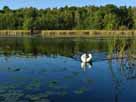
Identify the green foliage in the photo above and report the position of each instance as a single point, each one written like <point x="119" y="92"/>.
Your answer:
<point x="110" y="21"/>
<point x="108" y="17"/>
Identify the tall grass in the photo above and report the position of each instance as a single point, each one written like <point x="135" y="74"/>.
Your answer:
<point x="132" y="51"/>
<point x="121" y="47"/>
<point x="111" y="46"/>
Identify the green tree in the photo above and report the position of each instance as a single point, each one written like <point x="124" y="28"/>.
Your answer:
<point x="107" y="17"/>
<point x="110" y="21"/>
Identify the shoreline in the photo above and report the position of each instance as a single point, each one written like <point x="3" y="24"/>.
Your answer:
<point x="68" y="33"/>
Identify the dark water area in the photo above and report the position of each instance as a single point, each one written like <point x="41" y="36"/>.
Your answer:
<point x="50" y="70"/>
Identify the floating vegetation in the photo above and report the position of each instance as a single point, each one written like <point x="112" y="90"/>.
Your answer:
<point x="58" y="93"/>
<point x="68" y="77"/>
<point x="43" y="100"/>
<point x="19" y="78"/>
<point x="35" y="84"/>
<point x="2" y="91"/>
<point x="88" y="80"/>
<point x="56" y="87"/>
<point x="37" y="97"/>
<point x="17" y="69"/>
<point x="59" y="70"/>
<point x="48" y="93"/>
<point x="52" y="83"/>
<point x="63" y="93"/>
<point x="12" y="96"/>
<point x="76" y="73"/>
<point x="63" y="69"/>
<point x="44" y="70"/>
<point x="33" y="97"/>
<point x="14" y="70"/>
<point x="7" y="86"/>
<point x="80" y="91"/>
<point x="23" y="101"/>
<point x="111" y="47"/>
<point x="19" y="96"/>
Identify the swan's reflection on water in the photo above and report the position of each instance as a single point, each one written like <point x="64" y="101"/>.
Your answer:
<point x="84" y="65"/>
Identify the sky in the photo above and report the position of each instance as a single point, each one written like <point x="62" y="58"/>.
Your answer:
<point x="15" y="4"/>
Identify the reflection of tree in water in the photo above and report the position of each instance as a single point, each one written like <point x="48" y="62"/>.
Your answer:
<point x="123" y="50"/>
<point x="117" y="82"/>
<point x="128" y="68"/>
<point x="36" y="46"/>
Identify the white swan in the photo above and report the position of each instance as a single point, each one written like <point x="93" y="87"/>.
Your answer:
<point x="86" y="58"/>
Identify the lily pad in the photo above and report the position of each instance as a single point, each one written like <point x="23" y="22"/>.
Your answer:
<point x="76" y="73"/>
<point x="52" y="83"/>
<point x="80" y="91"/>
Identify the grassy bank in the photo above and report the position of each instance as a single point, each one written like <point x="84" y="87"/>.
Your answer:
<point x="14" y="33"/>
<point x="68" y="33"/>
<point x="87" y="33"/>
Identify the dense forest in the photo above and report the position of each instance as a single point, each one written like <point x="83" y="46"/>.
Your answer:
<point x="108" y="17"/>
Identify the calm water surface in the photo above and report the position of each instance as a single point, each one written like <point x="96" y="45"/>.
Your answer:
<point x="50" y="70"/>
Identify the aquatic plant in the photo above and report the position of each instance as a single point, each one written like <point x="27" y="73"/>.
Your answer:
<point x="64" y="69"/>
<point x="80" y="91"/>
<point x="27" y="45"/>
<point x="68" y="77"/>
<point x="59" y="69"/>
<point x="14" y="69"/>
<point x="75" y="73"/>
<point x="12" y="95"/>
<point x="88" y="80"/>
<point x="43" y="100"/>
<point x="63" y="93"/>
<point x="2" y="91"/>
<point x="121" y="47"/>
<point x="23" y="100"/>
<point x="52" y="84"/>
<point x="44" y="70"/>
<point x="111" y="46"/>
<point x="48" y="93"/>
<point x="132" y="48"/>
<point x="35" y="84"/>
<point x="37" y="97"/>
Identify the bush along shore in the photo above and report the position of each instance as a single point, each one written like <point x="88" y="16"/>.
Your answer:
<point x="68" y="33"/>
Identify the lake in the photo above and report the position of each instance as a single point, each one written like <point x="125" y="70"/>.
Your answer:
<point x="49" y="70"/>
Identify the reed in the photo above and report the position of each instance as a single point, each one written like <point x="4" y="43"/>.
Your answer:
<point x="111" y="46"/>
<point x="132" y="51"/>
<point x="121" y="48"/>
